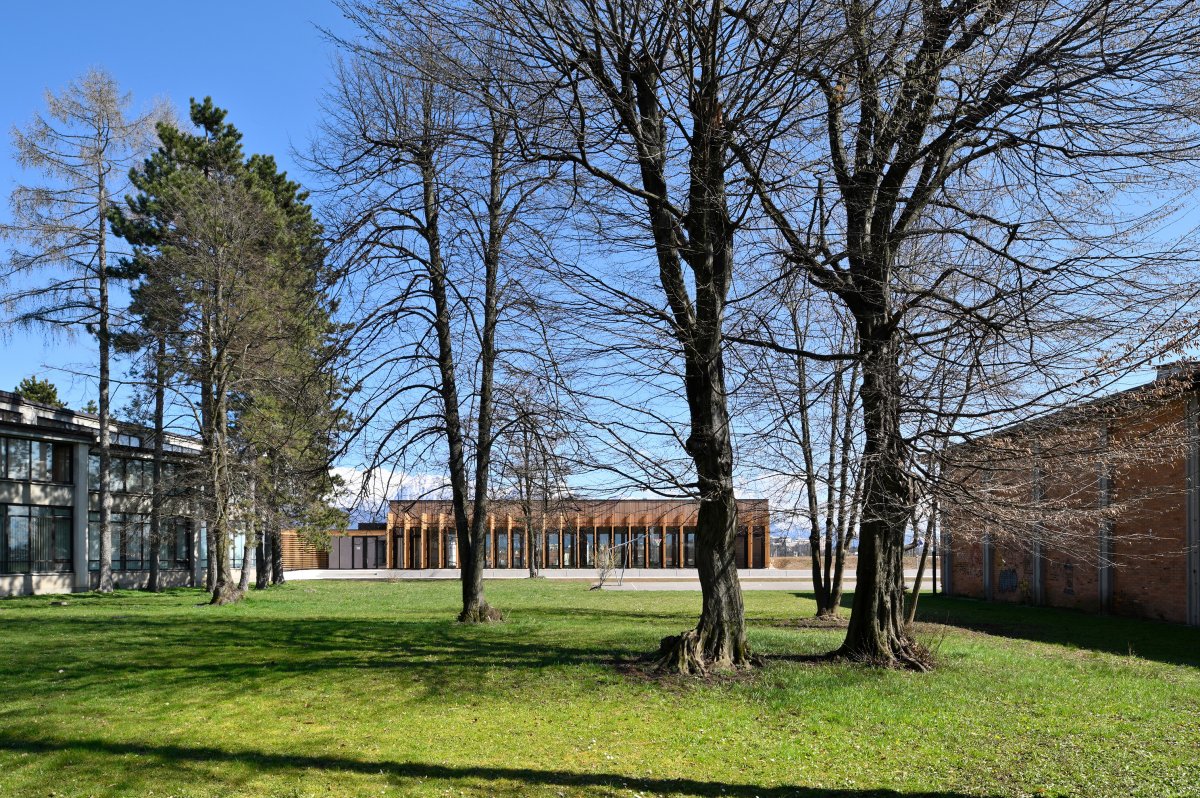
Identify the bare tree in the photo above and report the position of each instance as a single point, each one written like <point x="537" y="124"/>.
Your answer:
<point x="648" y="100"/>
<point x="983" y="176"/>
<point x="84" y="145"/>
<point x="804" y="435"/>
<point x="419" y="148"/>
<point x="534" y="462"/>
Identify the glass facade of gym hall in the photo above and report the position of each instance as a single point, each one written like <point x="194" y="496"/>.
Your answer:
<point x="49" y="501"/>
<point x="636" y="533"/>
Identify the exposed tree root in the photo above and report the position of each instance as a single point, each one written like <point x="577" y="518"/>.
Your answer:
<point x="691" y="654"/>
<point x="903" y="654"/>
<point x="481" y="613"/>
<point x="227" y="593"/>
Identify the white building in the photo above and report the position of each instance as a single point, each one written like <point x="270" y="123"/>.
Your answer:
<point x="49" y="503"/>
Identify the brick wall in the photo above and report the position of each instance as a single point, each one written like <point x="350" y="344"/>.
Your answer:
<point x="1143" y="572"/>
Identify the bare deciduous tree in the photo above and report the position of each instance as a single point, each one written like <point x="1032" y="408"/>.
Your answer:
<point x="420" y="148"/>
<point x="984" y="174"/>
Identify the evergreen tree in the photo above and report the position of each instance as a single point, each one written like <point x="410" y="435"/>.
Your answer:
<point x="231" y="271"/>
<point x="39" y="390"/>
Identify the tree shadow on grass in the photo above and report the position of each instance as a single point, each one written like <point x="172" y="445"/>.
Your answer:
<point x="1154" y="640"/>
<point x="442" y="659"/>
<point x="501" y="780"/>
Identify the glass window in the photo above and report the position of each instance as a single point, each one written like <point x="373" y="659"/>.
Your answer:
<point x="17" y="554"/>
<point x="93" y="472"/>
<point x="739" y="547"/>
<point x="551" y="549"/>
<point x="62" y="457"/>
<point x="18" y="459"/>
<point x="603" y="541"/>
<point x="501" y="549"/>
<point x="183" y="542"/>
<point x="587" y="547"/>
<point x="40" y="460"/>
<point x="655" y="539"/>
<point x="3" y="458"/>
<point x="414" y="547"/>
<point x="135" y="476"/>
<point x="116" y="475"/>
<point x="689" y="547"/>
<point x="518" y="547"/>
<point x="238" y="547"/>
<point x="620" y="539"/>
<point x="637" y="547"/>
<point x="62" y="538"/>
<point x="147" y="485"/>
<point x="671" y="554"/>
<point x="433" y="557"/>
<point x="568" y="549"/>
<point x="35" y="539"/>
<point x="451" y="550"/>
<point x="93" y="541"/>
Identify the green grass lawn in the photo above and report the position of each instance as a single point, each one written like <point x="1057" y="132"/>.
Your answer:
<point x="370" y="689"/>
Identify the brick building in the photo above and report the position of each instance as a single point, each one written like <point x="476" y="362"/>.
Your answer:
<point x="1111" y="491"/>
<point x="646" y="533"/>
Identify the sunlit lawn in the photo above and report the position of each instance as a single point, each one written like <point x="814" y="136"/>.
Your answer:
<point x="342" y="688"/>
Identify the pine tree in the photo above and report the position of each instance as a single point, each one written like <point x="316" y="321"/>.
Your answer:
<point x="38" y="390"/>
<point x="231" y="269"/>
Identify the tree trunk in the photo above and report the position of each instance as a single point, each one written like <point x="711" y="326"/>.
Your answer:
<point x="156" y="496"/>
<point x="276" y="548"/>
<point x="106" y="573"/>
<point x="928" y="542"/>
<point x="475" y="607"/>
<point x="819" y="575"/>
<point x="877" y="633"/>
<point x="719" y="640"/>
<point x="533" y="545"/>
<point x="851" y="513"/>
<point x="262" y="557"/>
<point x="248" y="544"/>
<point x="471" y="532"/>
<point x="225" y="591"/>
<point x="248" y="547"/>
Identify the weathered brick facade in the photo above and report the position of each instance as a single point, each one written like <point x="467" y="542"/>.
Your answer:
<point x="1140" y="561"/>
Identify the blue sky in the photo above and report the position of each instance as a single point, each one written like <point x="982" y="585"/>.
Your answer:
<point x="263" y="60"/>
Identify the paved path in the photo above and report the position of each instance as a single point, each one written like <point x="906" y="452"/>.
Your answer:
<point x="633" y="579"/>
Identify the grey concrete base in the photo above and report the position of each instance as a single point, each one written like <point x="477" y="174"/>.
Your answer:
<point x="36" y="584"/>
<point x="51" y="584"/>
<point x="136" y="580"/>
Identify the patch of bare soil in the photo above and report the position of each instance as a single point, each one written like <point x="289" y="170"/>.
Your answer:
<point x="824" y="622"/>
